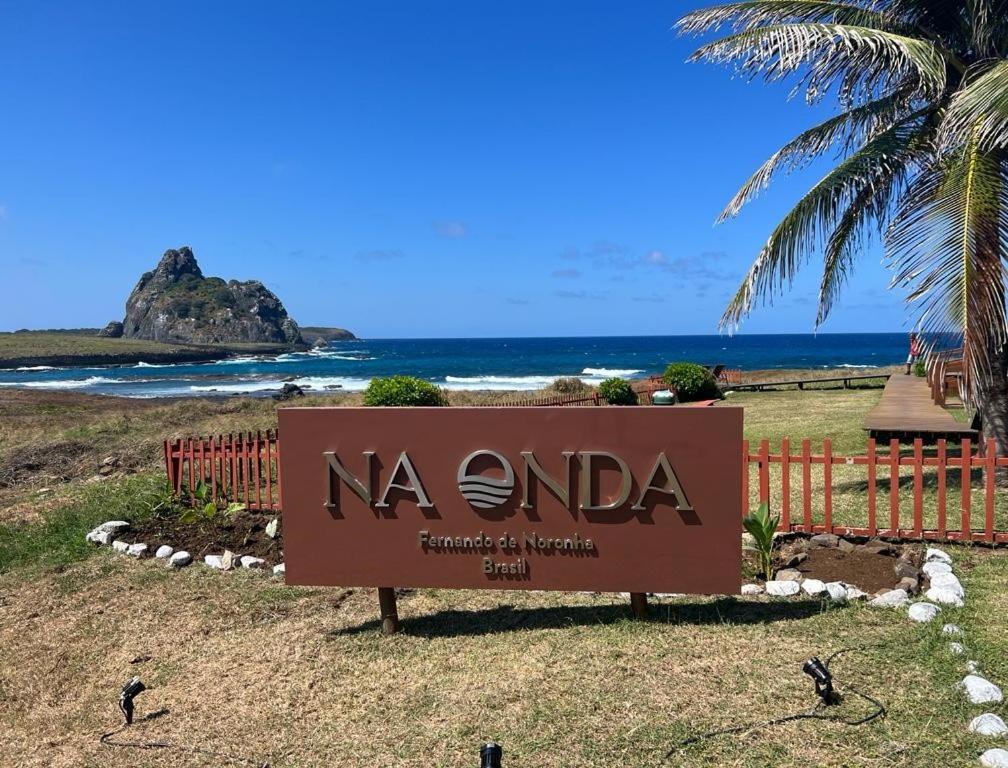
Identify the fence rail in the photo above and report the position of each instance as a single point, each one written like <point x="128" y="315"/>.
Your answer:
<point x="245" y="468"/>
<point x="883" y="468"/>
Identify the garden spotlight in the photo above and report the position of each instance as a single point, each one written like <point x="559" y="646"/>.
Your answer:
<point x="820" y="674"/>
<point x="132" y="688"/>
<point x="490" y="755"/>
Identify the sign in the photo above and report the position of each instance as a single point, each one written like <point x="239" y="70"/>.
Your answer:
<point x="615" y="499"/>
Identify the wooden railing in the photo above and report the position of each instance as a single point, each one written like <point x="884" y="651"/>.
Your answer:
<point x="940" y="367"/>
<point x="883" y="466"/>
<point x="912" y="496"/>
<point x="243" y="468"/>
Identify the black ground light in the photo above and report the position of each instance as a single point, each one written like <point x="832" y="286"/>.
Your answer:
<point x="490" y="755"/>
<point x="823" y="680"/>
<point x="132" y="689"/>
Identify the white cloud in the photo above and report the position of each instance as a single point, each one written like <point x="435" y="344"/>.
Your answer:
<point x="452" y="229"/>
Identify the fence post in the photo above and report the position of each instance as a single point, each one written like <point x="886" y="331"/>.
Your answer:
<point x="872" y="488"/>
<point x="828" y="484"/>
<point x="967" y="489"/>
<point x="942" y="483"/>
<point x="990" y="471"/>
<point x="806" y="459"/>
<point x="918" y="502"/>
<point x="894" y="500"/>
<point x="785" y="505"/>
<point x="745" y="477"/>
<point x="764" y="473"/>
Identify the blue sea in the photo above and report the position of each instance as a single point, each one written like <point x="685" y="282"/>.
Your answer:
<point x="477" y="364"/>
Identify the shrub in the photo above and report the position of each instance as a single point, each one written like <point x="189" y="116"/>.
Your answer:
<point x="691" y="382"/>
<point x="617" y="392"/>
<point x="761" y="526"/>
<point x="920" y="369"/>
<point x="568" y="385"/>
<point x="403" y="391"/>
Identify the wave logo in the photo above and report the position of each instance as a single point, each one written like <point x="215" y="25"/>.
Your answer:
<point x="481" y="491"/>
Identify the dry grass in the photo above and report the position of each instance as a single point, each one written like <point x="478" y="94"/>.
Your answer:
<point x="247" y="667"/>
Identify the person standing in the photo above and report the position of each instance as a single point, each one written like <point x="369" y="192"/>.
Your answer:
<point x="915" y="351"/>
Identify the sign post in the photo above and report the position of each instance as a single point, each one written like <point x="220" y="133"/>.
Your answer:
<point x="629" y="499"/>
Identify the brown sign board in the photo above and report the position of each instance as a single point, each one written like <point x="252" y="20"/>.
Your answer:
<point x="615" y="499"/>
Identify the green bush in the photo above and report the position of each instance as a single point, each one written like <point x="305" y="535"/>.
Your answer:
<point x="568" y="385"/>
<point x="920" y="369"/>
<point x="403" y="391"/>
<point x="691" y="382"/>
<point x="617" y="392"/>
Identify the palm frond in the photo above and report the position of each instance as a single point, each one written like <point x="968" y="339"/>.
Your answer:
<point x="750" y="14"/>
<point x="805" y="228"/>
<point x="979" y="111"/>
<point x="945" y="244"/>
<point x="860" y="59"/>
<point x="859" y="124"/>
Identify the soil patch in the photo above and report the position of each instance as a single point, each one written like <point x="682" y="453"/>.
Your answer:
<point x="867" y="570"/>
<point x="243" y="534"/>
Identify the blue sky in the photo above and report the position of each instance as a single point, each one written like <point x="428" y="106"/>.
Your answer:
<point x="398" y="168"/>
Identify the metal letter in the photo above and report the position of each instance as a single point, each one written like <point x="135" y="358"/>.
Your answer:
<point x="352" y="482"/>
<point x="681" y="502"/>
<point x="587" y="485"/>
<point x="481" y="491"/>
<point x="415" y="487"/>
<point x="562" y="492"/>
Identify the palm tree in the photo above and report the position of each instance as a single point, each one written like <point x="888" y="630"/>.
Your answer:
<point x="920" y="140"/>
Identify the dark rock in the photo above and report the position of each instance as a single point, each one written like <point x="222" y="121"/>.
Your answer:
<point x="796" y="559"/>
<point x="788" y="574"/>
<point x="320" y="343"/>
<point x="288" y="392"/>
<point x="906" y="570"/>
<point x="114" y="330"/>
<point x="825" y="540"/>
<point x="176" y="303"/>
<point x="846" y="546"/>
<point x="880" y="547"/>
<point x="911" y="586"/>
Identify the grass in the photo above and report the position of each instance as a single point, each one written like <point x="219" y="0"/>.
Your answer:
<point x="249" y="668"/>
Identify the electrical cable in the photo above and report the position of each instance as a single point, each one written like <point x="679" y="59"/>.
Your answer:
<point x="238" y="760"/>
<point x="811" y="714"/>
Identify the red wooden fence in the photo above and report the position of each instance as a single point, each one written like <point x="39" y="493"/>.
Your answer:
<point x="882" y="465"/>
<point x="242" y="468"/>
<point x="245" y="468"/>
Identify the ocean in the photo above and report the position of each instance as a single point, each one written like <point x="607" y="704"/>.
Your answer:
<point x="477" y="364"/>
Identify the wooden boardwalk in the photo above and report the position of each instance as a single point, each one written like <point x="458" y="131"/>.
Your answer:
<point x="906" y="410"/>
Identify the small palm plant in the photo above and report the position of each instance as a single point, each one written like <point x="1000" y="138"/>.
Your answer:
<point x="761" y="525"/>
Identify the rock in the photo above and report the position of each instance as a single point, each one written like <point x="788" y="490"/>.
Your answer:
<point x="846" y="546"/>
<point x="973" y="667"/>
<point x="988" y="724"/>
<point x="114" y="330"/>
<point x="136" y="550"/>
<point x="957" y="649"/>
<point x="906" y="570"/>
<point x="944" y="596"/>
<point x="813" y="587"/>
<point x="248" y="561"/>
<point x="215" y="561"/>
<point x="320" y="343"/>
<point x="837" y="591"/>
<point x="853" y="593"/>
<point x="911" y="586"/>
<point x="782" y="588"/>
<point x="228" y="559"/>
<point x="994" y="758"/>
<point x="825" y="540"/>
<point x="288" y="392"/>
<point x="933" y="567"/>
<point x="894" y="598"/>
<point x="179" y="559"/>
<point x="879" y="547"/>
<point x="952" y="629"/>
<point x="164" y="551"/>
<point x="981" y="690"/>
<point x="752" y="589"/>
<point x="279" y="570"/>
<point x="115" y="526"/>
<point x="796" y="559"/>
<point x="936" y="555"/>
<point x="120" y="546"/>
<point x="789" y="574"/>
<point x="272" y="527"/>
<point x="100" y="537"/>
<point x="948" y="581"/>
<point x="176" y="303"/>
<point x="923" y="612"/>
